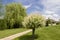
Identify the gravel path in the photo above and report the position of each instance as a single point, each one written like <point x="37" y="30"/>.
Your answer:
<point x="16" y="35"/>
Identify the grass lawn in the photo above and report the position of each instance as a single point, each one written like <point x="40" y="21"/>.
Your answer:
<point x="8" y="32"/>
<point x="45" y="33"/>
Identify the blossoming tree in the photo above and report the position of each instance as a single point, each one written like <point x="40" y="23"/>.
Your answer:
<point x="33" y="21"/>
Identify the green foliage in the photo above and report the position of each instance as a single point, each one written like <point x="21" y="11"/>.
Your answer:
<point x="50" y="21"/>
<point x="58" y="23"/>
<point x="14" y="15"/>
<point x="2" y="21"/>
<point x="3" y="24"/>
<point x="34" y="20"/>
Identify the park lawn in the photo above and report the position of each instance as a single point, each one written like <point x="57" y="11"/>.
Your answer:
<point x="45" y="33"/>
<point x="8" y="32"/>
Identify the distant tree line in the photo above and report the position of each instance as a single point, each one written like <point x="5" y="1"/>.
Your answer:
<point x="51" y="22"/>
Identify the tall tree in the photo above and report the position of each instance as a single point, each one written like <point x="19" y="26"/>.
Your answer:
<point x="14" y="14"/>
<point x="33" y="21"/>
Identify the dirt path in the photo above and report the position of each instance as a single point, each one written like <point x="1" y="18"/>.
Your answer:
<point x="16" y="35"/>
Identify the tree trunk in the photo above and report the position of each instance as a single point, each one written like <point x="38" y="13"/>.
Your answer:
<point x="33" y="32"/>
<point x="47" y="23"/>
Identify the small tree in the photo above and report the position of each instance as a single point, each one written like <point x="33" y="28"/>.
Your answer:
<point x="33" y="21"/>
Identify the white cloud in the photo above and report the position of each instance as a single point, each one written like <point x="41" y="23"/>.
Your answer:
<point x="51" y="17"/>
<point x="51" y="8"/>
<point x="49" y="3"/>
<point x="55" y="15"/>
<point x="52" y="5"/>
<point x="49" y="12"/>
<point x="27" y="6"/>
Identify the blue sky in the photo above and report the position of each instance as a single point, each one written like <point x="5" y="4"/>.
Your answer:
<point x="48" y="8"/>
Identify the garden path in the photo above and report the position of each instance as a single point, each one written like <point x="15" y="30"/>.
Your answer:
<point x="16" y="35"/>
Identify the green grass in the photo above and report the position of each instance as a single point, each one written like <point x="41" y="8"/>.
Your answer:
<point x="8" y="32"/>
<point x="45" y="33"/>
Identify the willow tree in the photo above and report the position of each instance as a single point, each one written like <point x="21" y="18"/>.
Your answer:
<point x="14" y="15"/>
<point x="33" y="21"/>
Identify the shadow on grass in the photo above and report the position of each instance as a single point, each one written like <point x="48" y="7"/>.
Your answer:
<point x="28" y="37"/>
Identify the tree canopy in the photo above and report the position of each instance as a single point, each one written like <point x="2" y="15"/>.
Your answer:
<point x="34" y="20"/>
<point x="14" y="14"/>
